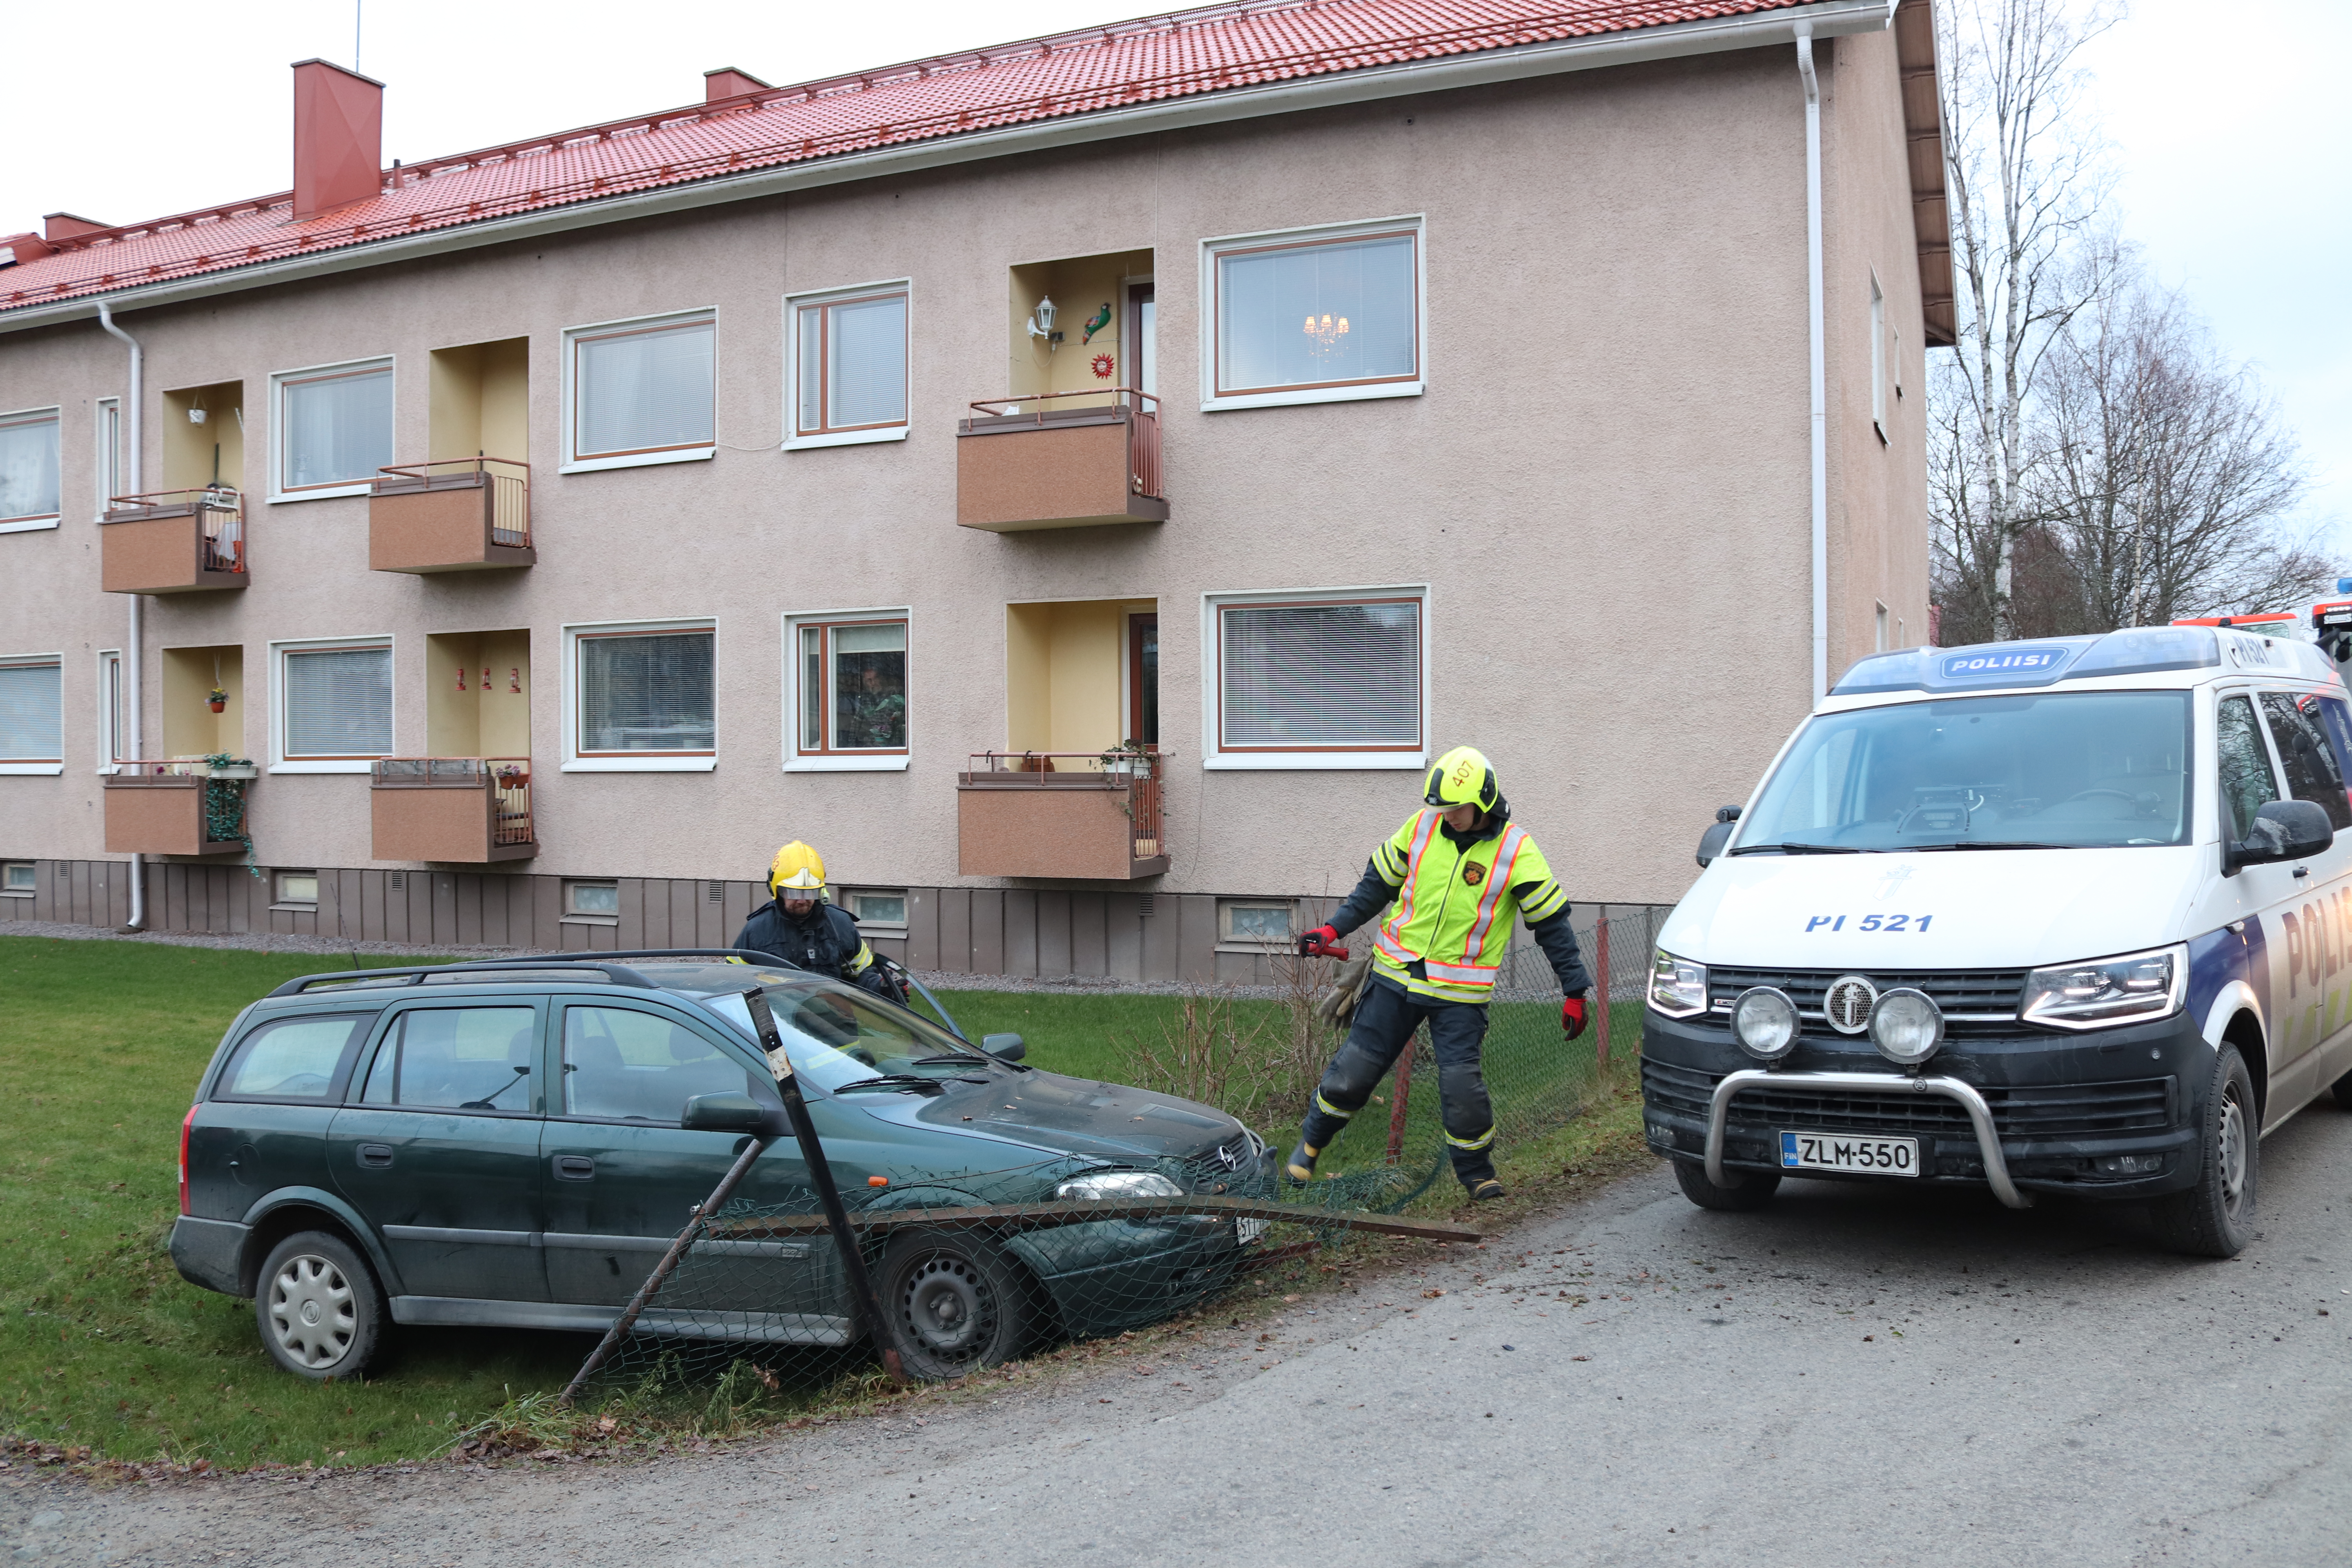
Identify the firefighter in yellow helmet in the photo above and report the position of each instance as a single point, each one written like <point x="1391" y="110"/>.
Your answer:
<point x="799" y="925"/>
<point x="1459" y="872"/>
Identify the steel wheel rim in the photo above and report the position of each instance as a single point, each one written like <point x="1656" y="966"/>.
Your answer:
<point x="947" y="1306"/>
<point x="313" y="1311"/>
<point x="2230" y="1152"/>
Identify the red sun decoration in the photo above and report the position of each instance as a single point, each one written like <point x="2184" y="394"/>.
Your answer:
<point x="1104" y="365"/>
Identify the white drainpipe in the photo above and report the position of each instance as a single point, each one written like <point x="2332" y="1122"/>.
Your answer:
<point x="132" y="653"/>
<point x="1820" y="423"/>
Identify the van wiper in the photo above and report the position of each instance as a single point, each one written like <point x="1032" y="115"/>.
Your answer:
<point x="1800" y="849"/>
<point x="1996" y="844"/>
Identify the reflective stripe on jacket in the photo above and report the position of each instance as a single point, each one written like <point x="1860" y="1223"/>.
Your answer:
<point x="1455" y="905"/>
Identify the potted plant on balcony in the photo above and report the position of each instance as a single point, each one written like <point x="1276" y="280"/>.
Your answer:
<point x="224" y="781"/>
<point x="217" y="701"/>
<point x="1128" y="760"/>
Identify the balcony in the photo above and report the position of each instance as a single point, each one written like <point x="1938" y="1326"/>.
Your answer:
<point x="173" y="542"/>
<point x="1025" y="463"/>
<point x="466" y="810"/>
<point x="468" y="515"/>
<point x="1060" y="814"/>
<point x="159" y="808"/>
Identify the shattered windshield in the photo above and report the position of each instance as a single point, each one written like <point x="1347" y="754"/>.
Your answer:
<point x="838" y="1035"/>
<point x="2056" y="770"/>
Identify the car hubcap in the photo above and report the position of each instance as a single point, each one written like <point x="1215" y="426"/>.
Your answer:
<point x="947" y="1306"/>
<point x="2230" y="1152"/>
<point x="312" y="1312"/>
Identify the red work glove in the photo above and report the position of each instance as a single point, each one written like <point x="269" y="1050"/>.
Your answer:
<point x="1320" y="937"/>
<point x="1571" y="1016"/>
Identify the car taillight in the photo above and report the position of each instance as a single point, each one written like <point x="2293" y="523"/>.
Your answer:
<point x="186" y="1126"/>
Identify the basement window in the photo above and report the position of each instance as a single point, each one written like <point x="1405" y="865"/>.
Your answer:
<point x="18" y="880"/>
<point x="592" y="903"/>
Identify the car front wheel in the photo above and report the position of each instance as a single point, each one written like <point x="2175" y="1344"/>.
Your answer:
<point x="2215" y="1218"/>
<point x="1753" y="1191"/>
<point x="319" y="1310"/>
<point x="951" y="1305"/>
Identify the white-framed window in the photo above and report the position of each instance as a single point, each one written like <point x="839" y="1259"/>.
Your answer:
<point x="1313" y="316"/>
<point x="846" y="691"/>
<point x="19" y="880"/>
<point x="113" y="714"/>
<point x="845" y="361"/>
<point x="640" y="392"/>
<point x="592" y="903"/>
<point x="294" y="890"/>
<point x="1255" y="925"/>
<point x="879" y="911"/>
<point x="1878" y="356"/>
<point x="640" y="697"/>
<point x="106" y="457"/>
<point x="28" y="469"/>
<point x="1318" y="678"/>
<point x="330" y="704"/>
<point x="32" y="713"/>
<point x="332" y="429"/>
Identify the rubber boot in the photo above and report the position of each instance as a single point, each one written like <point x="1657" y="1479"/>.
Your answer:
<point x="1485" y="1187"/>
<point x="1301" y="1168"/>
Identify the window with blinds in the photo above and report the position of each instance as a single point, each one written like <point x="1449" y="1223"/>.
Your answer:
<point x="335" y="428"/>
<point x="1319" y="676"/>
<point x="338" y="703"/>
<point x="852" y="373"/>
<point x="647" y="693"/>
<point x="28" y="468"/>
<point x="641" y="390"/>
<point x="32" y="711"/>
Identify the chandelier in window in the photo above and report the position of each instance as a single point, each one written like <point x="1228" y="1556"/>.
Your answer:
<point x="1323" y="335"/>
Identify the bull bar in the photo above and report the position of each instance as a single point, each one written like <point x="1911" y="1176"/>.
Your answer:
<point x="1980" y="1116"/>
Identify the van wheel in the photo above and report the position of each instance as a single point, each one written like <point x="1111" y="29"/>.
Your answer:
<point x="2215" y="1218"/>
<point x="319" y="1309"/>
<point x="2344" y="1091"/>
<point x="1753" y="1192"/>
<point x="951" y="1305"/>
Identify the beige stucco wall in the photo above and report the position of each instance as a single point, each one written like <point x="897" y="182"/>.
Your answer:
<point x="1605" y="484"/>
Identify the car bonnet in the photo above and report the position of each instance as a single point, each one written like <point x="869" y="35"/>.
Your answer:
<point x="1069" y="1115"/>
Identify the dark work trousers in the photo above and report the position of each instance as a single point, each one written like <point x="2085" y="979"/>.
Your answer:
<point x="1386" y="1018"/>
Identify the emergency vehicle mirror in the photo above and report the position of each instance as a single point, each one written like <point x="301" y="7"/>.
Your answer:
<point x="1004" y="1047"/>
<point x="2284" y="830"/>
<point x="1711" y="842"/>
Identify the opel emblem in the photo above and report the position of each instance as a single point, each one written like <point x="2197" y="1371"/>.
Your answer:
<point x="1848" y="1001"/>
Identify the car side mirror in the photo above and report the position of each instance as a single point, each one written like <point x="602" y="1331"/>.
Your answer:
<point x="725" y="1113"/>
<point x="1004" y="1047"/>
<point x="1711" y="842"/>
<point x="2283" y="830"/>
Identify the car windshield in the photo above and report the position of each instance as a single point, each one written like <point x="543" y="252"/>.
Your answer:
<point x="837" y="1034"/>
<point x="2056" y="770"/>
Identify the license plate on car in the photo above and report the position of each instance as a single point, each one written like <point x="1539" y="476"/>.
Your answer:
<point x="1249" y="1230"/>
<point x="1843" y="1152"/>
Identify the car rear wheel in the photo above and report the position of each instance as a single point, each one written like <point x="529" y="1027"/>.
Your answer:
<point x="2215" y="1218"/>
<point x="319" y="1310"/>
<point x="1755" y="1189"/>
<point x="951" y="1304"/>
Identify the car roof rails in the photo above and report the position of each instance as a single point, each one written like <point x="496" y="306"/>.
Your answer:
<point x="618" y="972"/>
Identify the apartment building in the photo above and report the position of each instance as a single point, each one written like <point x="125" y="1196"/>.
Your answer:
<point x="1078" y="485"/>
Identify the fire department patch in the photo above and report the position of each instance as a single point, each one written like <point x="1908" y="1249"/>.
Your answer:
<point x="1474" y="873"/>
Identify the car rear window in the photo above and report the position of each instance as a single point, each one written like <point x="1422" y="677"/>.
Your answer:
<point x="295" y="1058"/>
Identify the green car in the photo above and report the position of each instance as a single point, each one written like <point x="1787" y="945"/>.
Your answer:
<point x="516" y="1144"/>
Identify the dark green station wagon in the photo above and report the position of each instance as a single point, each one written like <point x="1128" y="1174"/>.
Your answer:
<point x="515" y="1143"/>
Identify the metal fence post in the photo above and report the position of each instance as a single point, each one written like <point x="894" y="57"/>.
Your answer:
<point x="1400" y="1086"/>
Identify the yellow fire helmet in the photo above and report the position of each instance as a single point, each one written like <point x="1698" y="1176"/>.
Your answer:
<point x="796" y="868"/>
<point x="1462" y="776"/>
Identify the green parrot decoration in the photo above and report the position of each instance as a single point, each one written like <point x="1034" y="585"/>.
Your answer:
<point x="1101" y="318"/>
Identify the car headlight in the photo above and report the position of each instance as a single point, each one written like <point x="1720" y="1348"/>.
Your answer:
<point x="1906" y="1026"/>
<point x="1678" y="986"/>
<point x="1764" y="1022"/>
<point x="2100" y="992"/>
<point x="1119" y="1185"/>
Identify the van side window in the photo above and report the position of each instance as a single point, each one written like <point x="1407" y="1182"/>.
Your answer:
<point x="2313" y="773"/>
<point x="294" y="1059"/>
<point x="456" y="1058"/>
<point x="2335" y="722"/>
<point x="2245" y="766"/>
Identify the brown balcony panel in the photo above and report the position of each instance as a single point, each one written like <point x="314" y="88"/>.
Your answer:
<point x="1075" y="469"/>
<point x="1012" y="824"/>
<point x="438" y="812"/>
<point x="446" y="522"/>
<point x="159" y="550"/>
<point x="160" y="815"/>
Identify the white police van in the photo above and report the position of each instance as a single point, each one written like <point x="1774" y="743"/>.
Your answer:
<point x="2067" y="916"/>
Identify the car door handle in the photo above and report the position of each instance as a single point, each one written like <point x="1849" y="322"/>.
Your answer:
<point x="575" y="1168"/>
<point x="375" y="1156"/>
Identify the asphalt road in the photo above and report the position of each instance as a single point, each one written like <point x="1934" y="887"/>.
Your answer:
<point x="1851" y="1377"/>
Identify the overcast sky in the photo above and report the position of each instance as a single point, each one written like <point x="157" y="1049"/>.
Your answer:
<point x="2221" y="140"/>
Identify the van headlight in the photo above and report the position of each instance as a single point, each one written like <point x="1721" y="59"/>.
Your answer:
<point x="1764" y="1022"/>
<point x="1119" y="1185"/>
<point x="1678" y="986"/>
<point x="2100" y="992"/>
<point x="1906" y="1026"/>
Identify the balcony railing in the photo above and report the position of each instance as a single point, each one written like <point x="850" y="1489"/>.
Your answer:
<point x="172" y="541"/>
<point x="1069" y="459"/>
<point x="1062" y="814"/>
<point x="464" y="809"/>
<point x="458" y="515"/>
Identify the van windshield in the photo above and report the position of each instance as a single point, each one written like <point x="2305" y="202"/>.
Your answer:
<point x="2078" y="770"/>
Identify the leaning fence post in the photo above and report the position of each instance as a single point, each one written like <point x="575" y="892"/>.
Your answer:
<point x="1399" y="1089"/>
<point x="1601" y="959"/>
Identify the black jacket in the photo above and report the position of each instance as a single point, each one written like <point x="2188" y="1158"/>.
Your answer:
<point x="826" y="943"/>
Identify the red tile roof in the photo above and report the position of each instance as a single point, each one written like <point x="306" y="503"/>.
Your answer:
<point x="1175" y="55"/>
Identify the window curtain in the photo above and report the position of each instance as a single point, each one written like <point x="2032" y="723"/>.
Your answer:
<point x="32" y="713"/>
<point x="648" y="694"/>
<point x="29" y="468"/>
<point x="338" y="703"/>
<point x="868" y="362"/>
<point x="1335" y="676"/>
<point x="643" y="392"/>
<point x="1272" y="307"/>
<point x="869" y="688"/>
<point x="338" y="428"/>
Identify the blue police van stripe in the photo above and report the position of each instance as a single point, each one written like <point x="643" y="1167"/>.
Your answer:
<point x="2220" y="956"/>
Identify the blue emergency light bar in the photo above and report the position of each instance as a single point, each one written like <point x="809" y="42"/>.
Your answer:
<point x="2138" y="650"/>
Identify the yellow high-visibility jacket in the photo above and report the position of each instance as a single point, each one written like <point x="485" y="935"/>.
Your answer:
<point x="1456" y="896"/>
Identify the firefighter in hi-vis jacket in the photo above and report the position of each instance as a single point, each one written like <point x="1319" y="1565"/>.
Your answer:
<point x="1459" y="872"/>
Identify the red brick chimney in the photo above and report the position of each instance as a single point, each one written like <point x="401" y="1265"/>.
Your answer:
<point x="338" y="137"/>
<point x="729" y="82"/>
<point x="67" y="225"/>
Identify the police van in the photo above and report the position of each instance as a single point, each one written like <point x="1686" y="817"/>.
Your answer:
<point x="2065" y="916"/>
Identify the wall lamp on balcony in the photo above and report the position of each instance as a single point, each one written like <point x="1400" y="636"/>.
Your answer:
<point x="1041" y="324"/>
